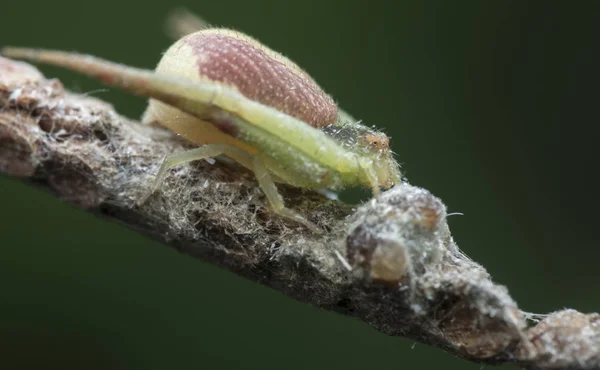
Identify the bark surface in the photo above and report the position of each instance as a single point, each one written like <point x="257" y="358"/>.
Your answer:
<point x="391" y="262"/>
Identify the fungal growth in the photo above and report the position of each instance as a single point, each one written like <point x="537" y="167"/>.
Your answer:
<point x="235" y="97"/>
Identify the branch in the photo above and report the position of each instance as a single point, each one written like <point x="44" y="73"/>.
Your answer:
<point x="391" y="263"/>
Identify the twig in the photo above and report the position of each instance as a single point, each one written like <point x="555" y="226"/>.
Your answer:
<point x="391" y="263"/>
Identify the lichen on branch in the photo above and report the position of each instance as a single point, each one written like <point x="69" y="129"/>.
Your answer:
<point x="392" y="262"/>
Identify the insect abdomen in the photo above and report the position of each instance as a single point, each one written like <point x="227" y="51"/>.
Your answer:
<point x="257" y="72"/>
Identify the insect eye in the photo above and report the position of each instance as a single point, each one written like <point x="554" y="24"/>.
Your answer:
<point x="377" y="141"/>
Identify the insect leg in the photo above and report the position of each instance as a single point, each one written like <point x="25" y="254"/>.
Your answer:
<point x="268" y="187"/>
<point x="181" y="22"/>
<point x="174" y="159"/>
<point x="212" y="150"/>
<point x="369" y="172"/>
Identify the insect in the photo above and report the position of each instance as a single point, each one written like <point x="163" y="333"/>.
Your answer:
<point x="235" y="97"/>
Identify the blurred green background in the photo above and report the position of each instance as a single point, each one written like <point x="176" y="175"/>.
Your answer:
<point x="492" y="106"/>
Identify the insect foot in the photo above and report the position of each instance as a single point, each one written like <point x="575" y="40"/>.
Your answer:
<point x="397" y="237"/>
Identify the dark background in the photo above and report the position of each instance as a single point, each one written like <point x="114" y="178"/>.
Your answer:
<point x="492" y="106"/>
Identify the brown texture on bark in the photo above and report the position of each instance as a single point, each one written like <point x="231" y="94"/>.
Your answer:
<point x="407" y="277"/>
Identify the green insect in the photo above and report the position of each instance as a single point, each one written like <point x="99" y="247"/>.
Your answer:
<point x="235" y="97"/>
